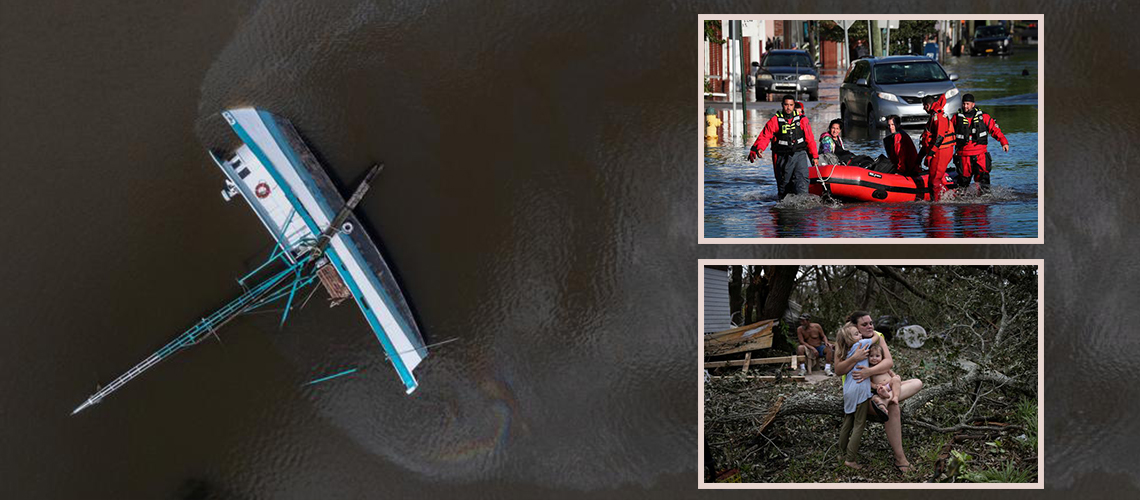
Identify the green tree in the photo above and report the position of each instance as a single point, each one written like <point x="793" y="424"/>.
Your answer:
<point x="830" y="31"/>
<point x="713" y="32"/>
<point x="905" y="40"/>
<point x="908" y="38"/>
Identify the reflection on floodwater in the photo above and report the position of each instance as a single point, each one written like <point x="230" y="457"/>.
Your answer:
<point x="740" y="197"/>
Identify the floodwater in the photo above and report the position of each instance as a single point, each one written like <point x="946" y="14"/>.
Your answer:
<point x="497" y="208"/>
<point x="741" y="201"/>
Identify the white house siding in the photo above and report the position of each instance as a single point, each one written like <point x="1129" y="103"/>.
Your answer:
<point x="755" y="30"/>
<point x="718" y="317"/>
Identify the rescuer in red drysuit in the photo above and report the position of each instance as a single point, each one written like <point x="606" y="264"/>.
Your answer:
<point x="972" y="129"/>
<point x="793" y="146"/>
<point x="900" y="148"/>
<point x="937" y="143"/>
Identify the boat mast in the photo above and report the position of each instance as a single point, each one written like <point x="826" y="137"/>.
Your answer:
<point x="274" y="288"/>
<point x="349" y="206"/>
<point x="268" y="291"/>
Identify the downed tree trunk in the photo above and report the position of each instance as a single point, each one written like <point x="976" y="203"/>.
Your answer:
<point x="809" y="403"/>
<point x="973" y="375"/>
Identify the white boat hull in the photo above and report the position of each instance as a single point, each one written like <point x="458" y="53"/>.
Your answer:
<point x="289" y="191"/>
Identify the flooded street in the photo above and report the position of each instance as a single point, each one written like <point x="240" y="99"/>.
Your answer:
<point x="741" y="200"/>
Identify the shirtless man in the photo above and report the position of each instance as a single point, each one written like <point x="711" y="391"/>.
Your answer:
<point x="814" y="344"/>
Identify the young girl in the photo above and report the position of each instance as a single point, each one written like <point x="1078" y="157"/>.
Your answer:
<point x="848" y="342"/>
<point x="884" y="386"/>
<point x="851" y="350"/>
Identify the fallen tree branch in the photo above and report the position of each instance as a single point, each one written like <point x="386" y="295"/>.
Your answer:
<point x="774" y="445"/>
<point x="891" y="273"/>
<point x="960" y="427"/>
<point x="806" y="403"/>
<point x="973" y="375"/>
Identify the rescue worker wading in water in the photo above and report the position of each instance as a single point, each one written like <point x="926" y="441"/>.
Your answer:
<point x="972" y="130"/>
<point x="937" y="144"/>
<point x="793" y="146"/>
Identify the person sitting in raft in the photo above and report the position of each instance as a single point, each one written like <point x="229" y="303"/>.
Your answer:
<point x="831" y="143"/>
<point x="900" y="148"/>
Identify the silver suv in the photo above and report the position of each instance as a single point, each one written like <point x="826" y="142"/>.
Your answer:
<point x="787" y="72"/>
<point x="876" y="88"/>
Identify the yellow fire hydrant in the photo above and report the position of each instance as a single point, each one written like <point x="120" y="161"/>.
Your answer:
<point x="713" y="123"/>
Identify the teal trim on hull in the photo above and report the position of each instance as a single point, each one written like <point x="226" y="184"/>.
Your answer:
<point x="393" y="355"/>
<point x="274" y="130"/>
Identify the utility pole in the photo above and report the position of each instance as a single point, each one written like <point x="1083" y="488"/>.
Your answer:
<point x="871" y="40"/>
<point x="888" y="24"/>
<point x="889" y="40"/>
<point x="728" y="47"/>
<point x="743" y="79"/>
<point x="846" y="25"/>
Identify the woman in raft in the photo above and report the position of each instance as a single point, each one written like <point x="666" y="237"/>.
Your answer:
<point x="831" y="142"/>
<point x="853" y="345"/>
<point x="900" y="148"/>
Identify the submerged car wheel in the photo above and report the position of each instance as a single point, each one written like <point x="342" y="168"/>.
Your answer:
<point x="843" y="115"/>
<point x="872" y="119"/>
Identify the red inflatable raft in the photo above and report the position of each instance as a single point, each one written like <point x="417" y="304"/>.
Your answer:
<point x="857" y="183"/>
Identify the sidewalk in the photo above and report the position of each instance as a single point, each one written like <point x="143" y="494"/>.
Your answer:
<point x="771" y="106"/>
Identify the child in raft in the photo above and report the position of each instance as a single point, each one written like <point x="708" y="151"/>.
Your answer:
<point x="884" y="386"/>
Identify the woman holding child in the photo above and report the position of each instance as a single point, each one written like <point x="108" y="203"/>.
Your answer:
<point x="862" y="353"/>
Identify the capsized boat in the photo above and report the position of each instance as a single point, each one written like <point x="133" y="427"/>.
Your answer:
<point x="317" y="239"/>
<point x="860" y="184"/>
<point x="293" y="196"/>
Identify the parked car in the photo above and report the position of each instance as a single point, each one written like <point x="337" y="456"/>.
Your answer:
<point x="876" y="88"/>
<point x="787" y="72"/>
<point x="991" y="40"/>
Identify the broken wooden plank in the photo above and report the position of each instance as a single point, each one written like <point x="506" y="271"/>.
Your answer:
<point x="772" y="412"/>
<point x="755" y="361"/>
<point x="747" y="360"/>
<point x="741" y="339"/>
<point x="740" y="331"/>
